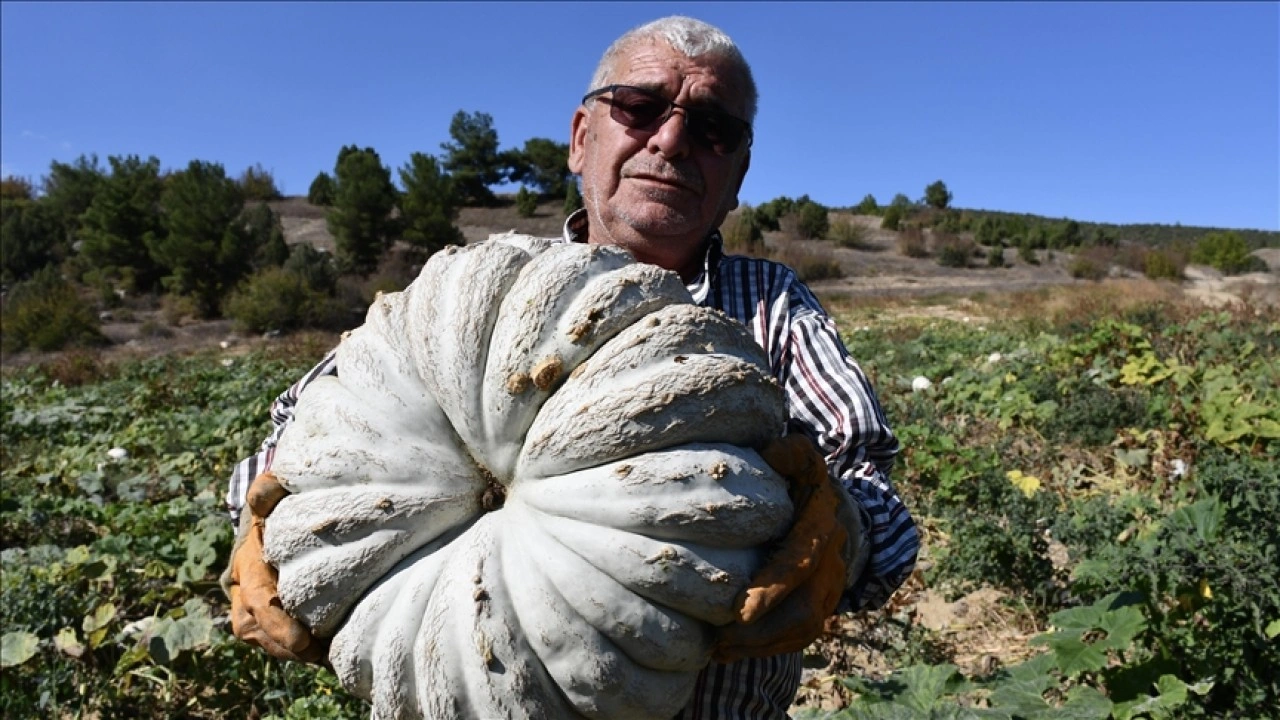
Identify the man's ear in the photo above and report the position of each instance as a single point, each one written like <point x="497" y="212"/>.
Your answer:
<point x="578" y="140"/>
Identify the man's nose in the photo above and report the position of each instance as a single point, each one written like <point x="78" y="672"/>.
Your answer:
<point x="671" y="136"/>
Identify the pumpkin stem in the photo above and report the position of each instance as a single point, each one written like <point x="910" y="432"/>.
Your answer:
<point x="494" y="494"/>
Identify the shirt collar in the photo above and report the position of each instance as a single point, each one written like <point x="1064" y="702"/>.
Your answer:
<point x="577" y="230"/>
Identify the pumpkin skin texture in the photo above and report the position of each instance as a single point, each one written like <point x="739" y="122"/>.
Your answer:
<point x="529" y="492"/>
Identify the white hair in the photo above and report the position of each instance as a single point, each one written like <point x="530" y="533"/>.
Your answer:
<point x="691" y="38"/>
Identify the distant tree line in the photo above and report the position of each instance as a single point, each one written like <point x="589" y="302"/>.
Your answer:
<point x="211" y="243"/>
<point x="958" y="236"/>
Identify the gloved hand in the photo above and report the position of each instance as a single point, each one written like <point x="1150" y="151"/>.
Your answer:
<point x="784" y="607"/>
<point x="257" y="617"/>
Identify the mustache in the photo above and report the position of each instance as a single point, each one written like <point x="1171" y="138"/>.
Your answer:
<point x="681" y="174"/>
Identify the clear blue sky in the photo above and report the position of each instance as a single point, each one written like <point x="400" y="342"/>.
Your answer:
<point x="1107" y="112"/>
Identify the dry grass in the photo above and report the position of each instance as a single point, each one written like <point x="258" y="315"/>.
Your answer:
<point x="812" y="261"/>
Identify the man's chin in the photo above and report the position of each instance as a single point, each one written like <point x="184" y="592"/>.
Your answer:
<point x="662" y="219"/>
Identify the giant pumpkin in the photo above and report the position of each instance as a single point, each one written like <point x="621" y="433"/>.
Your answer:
<point x="530" y="491"/>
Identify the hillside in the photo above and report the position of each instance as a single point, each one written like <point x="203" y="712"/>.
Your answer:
<point x="875" y="268"/>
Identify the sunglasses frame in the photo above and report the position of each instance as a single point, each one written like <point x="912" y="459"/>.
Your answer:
<point x="691" y="113"/>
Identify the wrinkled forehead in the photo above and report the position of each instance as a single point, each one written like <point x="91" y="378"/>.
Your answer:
<point x="652" y="63"/>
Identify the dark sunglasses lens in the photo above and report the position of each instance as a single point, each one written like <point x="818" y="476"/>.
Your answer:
<point x="715" y="130"/>
<point x="637" y="109"/>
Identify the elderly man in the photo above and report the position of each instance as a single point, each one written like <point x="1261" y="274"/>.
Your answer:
<point x="662" y="142"/>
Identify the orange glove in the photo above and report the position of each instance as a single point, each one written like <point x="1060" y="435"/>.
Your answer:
<point x="784" y="607"/>
<point x="257" y="617"/>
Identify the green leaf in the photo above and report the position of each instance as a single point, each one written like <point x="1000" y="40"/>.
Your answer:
<point x="99" y="618"/>
<point x="1203" y="517"/>
<point x="17" y="647"/>
<point x="1273" y="629"/>
<point x="1083" y="703"/>
<point x="1171" y="692"/>
<point x="95" y="624"/>
<point x="926" y="685"/>
<point x="1020" y="689"/>
<point x="170" y="637"/>
<point x="1121" y="627"/>
<point x="1075" y="656"/>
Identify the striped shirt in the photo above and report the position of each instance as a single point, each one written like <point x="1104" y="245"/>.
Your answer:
<point x="828" y="399"/>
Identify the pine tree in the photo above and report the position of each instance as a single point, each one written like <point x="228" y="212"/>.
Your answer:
<point x="937" y="196"/>
<point x="543" y="163"/>
<point x="321" y="190"/>
<point x="429" y="205"/>
<point x="362" y="202"/>
<point x="122" y="221"/>
<point x="206" y="247"/>
<point x="473" y="158"/>
<point x="526" y="202"/>
<point x="267" y="235"/>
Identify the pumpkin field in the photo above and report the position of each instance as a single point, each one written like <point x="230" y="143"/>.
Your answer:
<point x="1092" y="468"/>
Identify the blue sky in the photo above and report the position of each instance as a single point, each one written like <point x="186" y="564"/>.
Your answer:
<point x="1106" y="112"/>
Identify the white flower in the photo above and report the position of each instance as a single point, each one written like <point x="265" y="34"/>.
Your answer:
<point x="228" y="362"/>
<point x="994" y="358"/>
<point x="1179" y="468"/>
<point x="117" y="453"/>
<point x="224" y="344"/>
<point x="921" y="383"/>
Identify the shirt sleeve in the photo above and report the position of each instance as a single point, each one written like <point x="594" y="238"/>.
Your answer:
<point x="830" y="400"/>
<point x="281" y="415"/>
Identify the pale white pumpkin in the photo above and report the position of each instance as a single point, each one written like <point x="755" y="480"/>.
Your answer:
<point x="529" y="492"/>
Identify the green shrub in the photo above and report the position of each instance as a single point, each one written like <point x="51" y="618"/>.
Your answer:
<point x="813" y="221"/>
<point x="953" y="250"/>
<point x="1227" y="252"/>
<point x="995" y="255"/>
<point x="526" y="202"/>
<point x="1027" y="253"/>
<point x="868" y="206"/>
<point x="1085" y="267"/>
<point x="1161" y="264"/>
<point x="277" y="299"/>
<point x="892" y="218"/>
<point x="848" y="234"/>
<point x="177" y="309"/>
<point x="810" y="263"/>
<point x="315" y="267"/>
<point x="46" y="313"/>
<point x="770" y="214"/>
<point x="259" y="184"/>
<point x="989" y="543"/>
<point x="911" y="242"/>
<point x="742" y="233"/>
<point x="1089" y="413"/>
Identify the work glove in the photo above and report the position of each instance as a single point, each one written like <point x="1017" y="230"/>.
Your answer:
<point x="788" y="600"/>
<point x="257" y="616"/>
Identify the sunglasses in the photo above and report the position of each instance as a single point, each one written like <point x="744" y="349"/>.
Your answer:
<point x="641" y="109"/>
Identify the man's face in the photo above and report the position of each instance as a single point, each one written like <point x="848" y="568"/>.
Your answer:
<point x="655" y="192"/>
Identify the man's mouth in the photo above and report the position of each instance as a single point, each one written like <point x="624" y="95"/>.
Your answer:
<point x="665" y="180"/>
